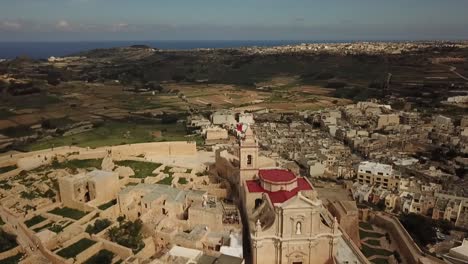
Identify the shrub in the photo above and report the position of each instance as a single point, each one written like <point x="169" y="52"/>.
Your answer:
<point x="99" y="225"/>
<point x="102" y="257"/>
<point x="128" y="234"/>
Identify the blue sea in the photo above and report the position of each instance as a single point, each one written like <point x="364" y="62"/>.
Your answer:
<point x="42" y="50"/>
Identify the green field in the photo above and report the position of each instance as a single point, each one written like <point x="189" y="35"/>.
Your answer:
<point x="46" y="226"/>
<point x="107" y="205"/>
<point x="4" y="114"/>
<point x="166" y="181"/>
<point x="68" y="212"/>
<point x="102" y="257"/>
<point x="373" y="242"/>
<point x="78" y="164"/>
<point x="117" y="133"/>
<point x="363" y="234"/>
<point x="182" y="180"/>
<point x="35" y="220"/>
<point x="142" y="169"/>
<point x="7" y="169"/>
<point x="75" y="249"/>
<point x="371" y="251"/>
<point x="379" y="261"/>
<point x="365" y="225"/>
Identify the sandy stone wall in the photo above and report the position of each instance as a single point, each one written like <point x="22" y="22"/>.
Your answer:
<point x="117" y="249"/>
<point x="410" y="251"/>
<point x="34" y="159"/>
<point x="12" y="252"/>
<point x="201" y="216"/>
<point x="148" y="251"/>
<point x="54" y="259"/>
<point x="89" y="252"/>
<point x="110" y="212"/>
<point x="10" y="174"/>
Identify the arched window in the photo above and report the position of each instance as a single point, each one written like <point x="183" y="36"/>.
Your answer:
<point x="258" y="202"/>
<point x="298" y="228"/>
<point x="249" y="160"/>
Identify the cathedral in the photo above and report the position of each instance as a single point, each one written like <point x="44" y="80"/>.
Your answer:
<point x="287" y="222"/>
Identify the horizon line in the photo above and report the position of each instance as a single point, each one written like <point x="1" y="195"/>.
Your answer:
<point x="244" y="40"/>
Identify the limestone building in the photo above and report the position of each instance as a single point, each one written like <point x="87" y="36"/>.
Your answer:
<point x="215" y="133"/>
<point x="96" y="187"/>
<point x="224" y="118"/>
<point x="195" y="207"/>
<point x="246" y="118"/>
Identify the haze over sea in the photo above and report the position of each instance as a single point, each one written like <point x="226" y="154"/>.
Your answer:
<point x="43" y="50"/>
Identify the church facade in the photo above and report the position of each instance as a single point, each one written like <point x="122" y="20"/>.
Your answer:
<point x="287" y="222"/>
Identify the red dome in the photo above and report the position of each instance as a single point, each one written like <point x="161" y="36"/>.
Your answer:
<point x="276" y="176"/>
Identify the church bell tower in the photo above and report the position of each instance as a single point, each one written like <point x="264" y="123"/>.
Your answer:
<point x="248" y="157"/>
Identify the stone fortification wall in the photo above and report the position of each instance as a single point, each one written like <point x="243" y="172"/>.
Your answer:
<point x="407" y="247"/>
<point x="225" y="168"/>
<point x="35" y="159"/>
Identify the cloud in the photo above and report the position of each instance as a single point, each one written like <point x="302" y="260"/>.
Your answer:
<point x="63" y="25"/>
<point x="119" y="27"/>
<point x="10" y="25"/>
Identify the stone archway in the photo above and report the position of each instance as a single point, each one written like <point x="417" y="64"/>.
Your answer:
<point x="297" y="257"/>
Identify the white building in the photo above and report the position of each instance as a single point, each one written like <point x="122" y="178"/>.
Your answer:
<point x="224" y="118"/>
<point x="377" y="174"/>
<point x="246" y="118"/>
<point x="458" y="255"/>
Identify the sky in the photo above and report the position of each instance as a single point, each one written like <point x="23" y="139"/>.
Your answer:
<point x="98" y="20"/>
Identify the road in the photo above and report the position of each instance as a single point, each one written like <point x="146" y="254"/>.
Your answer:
<point x="453" y="69"/>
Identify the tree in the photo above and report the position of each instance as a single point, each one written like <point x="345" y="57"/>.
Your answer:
<point x="99" y="225"/>
<point x="120" y="219"/>
<point x="128" y="234"/>
<point x="420" y="227"/>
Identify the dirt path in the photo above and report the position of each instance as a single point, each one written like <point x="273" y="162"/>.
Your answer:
<point x="453" y="69"/>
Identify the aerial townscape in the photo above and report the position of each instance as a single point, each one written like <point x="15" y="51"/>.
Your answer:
<point x="233" y="132"/>
<point x="109" y="160"/>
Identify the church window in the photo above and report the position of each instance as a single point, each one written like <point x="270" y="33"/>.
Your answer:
<point x="258" y="202"/>
<point x="249" y="160"/>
